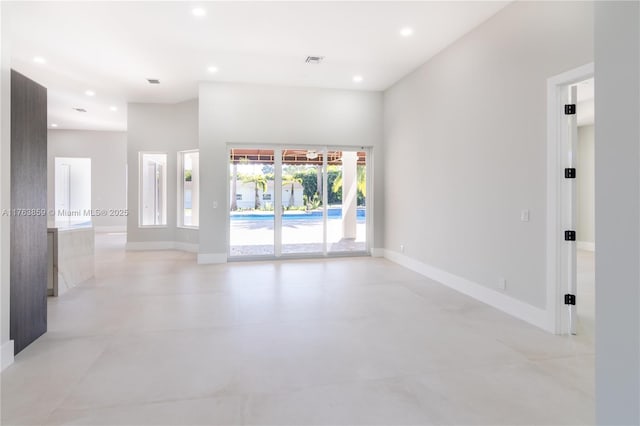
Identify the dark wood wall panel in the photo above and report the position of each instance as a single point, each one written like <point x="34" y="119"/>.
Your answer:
<point x="28" y="199"/>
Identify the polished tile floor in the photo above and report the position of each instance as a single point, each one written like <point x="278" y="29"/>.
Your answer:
<point x="586" y="297"/>
<point x="157" y="339"/>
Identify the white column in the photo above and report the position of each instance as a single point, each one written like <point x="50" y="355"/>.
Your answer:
<point x="349" y="194"/>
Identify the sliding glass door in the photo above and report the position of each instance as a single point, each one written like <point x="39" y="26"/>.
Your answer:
<point x="292" y="201"/>
<point x="346" y="225"/>
<point x="302" y="202"/>
<point x="251" y="203"/>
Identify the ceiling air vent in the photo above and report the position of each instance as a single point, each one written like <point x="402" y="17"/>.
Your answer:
<point x="153" y="81"/>
<point x="314" y="59"/>
<point x="80" y="109"/>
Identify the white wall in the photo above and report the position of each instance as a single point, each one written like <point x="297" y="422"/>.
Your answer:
<point x="617" y="77"/>
<point x="470" y="126"/>
<point x="244" y="113"/>
<point x="6" y="345"/>
<point x="167" y="128"/>
<point x="108" y="154"/>
<point x="586" y="184"/>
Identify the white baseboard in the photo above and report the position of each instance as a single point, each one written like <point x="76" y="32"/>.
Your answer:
<point x="6" y="354"/>
<point x="150" y="245"/>
<point x="190" y="247"/>
<point x="116" y="228"/>
<point x="161" y="245"/>
<point x="586" y="245"/>
<point x="377" y="252"/>
<point x="514" y="307"/>
<point x="211" y="258"/>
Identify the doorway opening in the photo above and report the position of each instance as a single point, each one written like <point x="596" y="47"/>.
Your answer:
<point x="297" y="202"/>
<point x="72" y="191"/>
<point x="570" y="203"/>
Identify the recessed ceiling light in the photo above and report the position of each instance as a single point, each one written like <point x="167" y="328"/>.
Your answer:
<point x="357" y="79"/>
<point x="54" y="125"/>
<point x="113" y="108"/>
<point x="212" y="70"/>
<point x="406" y="31"/>
<point x="198" y="11"/>
<point x="90" y="93"/>
<point x="39" y="60"/>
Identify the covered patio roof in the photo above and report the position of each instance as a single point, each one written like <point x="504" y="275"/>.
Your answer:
<point x="289" y="156"/>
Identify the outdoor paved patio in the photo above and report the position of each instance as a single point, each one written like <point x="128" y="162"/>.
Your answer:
<point x="299" y="236"/>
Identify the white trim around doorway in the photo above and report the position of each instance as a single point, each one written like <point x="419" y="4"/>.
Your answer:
<point x="557" y="322"/>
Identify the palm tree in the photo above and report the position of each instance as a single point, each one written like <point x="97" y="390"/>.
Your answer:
<point x="319" y="180"/>
<point x="234" y="188"/>
<point x="260" y="182"/>
<point x="291" y="180"/>
<point x="362" y="181"/>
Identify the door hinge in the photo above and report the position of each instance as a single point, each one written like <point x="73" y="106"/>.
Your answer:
<point x="569" y="109"/>
<point x="569" y="235"/>
<point x="570" y="173"/>
<point x="569" y="299"/>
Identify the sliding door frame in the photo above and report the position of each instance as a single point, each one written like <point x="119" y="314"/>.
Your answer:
<point x="277" y="209"/>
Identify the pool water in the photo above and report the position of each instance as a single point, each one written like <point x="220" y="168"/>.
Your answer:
<point x="314" y="215"/>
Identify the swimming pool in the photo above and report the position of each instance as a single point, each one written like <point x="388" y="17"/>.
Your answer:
<point x="315" y="215"/>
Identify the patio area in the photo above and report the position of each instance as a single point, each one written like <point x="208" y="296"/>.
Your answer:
<point x="251" y="236"/>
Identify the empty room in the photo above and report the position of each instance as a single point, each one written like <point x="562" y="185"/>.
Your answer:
<point x="328" y="213"/>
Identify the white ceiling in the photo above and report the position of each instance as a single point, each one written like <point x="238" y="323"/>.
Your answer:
<point x="112" y="47"/>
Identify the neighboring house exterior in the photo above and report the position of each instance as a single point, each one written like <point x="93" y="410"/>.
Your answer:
<point x="245" y="195"/>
